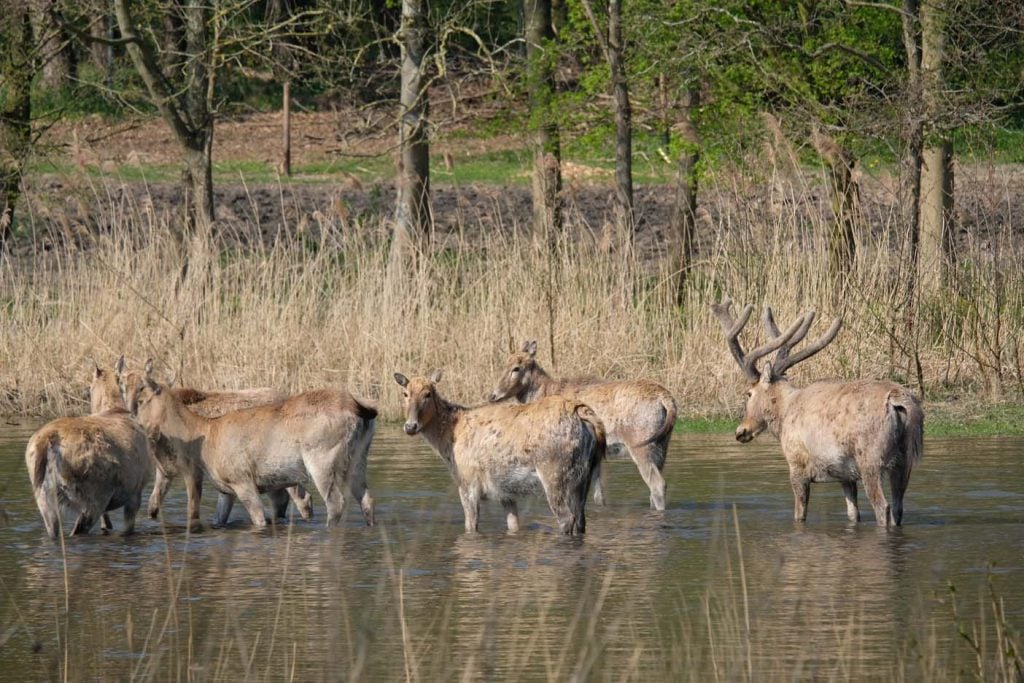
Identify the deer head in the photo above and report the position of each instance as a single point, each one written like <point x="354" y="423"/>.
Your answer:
<point x="420" y="399"/>
<point x="763" y="401"/>
<point x="517" y="377"/>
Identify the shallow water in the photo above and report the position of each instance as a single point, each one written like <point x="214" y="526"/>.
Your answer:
<point x="686" y="593"/>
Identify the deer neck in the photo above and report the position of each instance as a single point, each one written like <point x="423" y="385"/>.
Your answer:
<point x="541" y="384"/>
<point x="782" y="394"/>
<point x="440" y="432"/>
<point x="182" y="428"/>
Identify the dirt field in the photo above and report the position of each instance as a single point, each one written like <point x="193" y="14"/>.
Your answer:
<point x="68" y="206"/>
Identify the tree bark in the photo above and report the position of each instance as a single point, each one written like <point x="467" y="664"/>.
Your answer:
<point x="684" y="212"/>
<point x="16" y="70"/>
<point x="623" y="124"/>
<point x="935" y="200"/>
<point x="187" y="112"/>
<point x="547" y="153"/>
<point x="412" y="211"/>
<point x="52" y="46"/>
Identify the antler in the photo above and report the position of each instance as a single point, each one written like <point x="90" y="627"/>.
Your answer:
<point x="732" y="328"/>
<point x="783" y="361"/>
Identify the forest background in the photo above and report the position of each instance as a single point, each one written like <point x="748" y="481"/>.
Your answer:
<point x="311" y="192"/>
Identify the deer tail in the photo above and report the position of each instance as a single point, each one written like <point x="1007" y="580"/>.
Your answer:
<point x="668" y="423"/>
<point x="590" y="418"/>
<point x="365" y="410"/>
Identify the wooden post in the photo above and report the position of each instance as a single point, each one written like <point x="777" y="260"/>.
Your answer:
<point x="286" y="106"/>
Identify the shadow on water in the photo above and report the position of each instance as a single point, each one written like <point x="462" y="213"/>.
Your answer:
<point x="723" y="583"/>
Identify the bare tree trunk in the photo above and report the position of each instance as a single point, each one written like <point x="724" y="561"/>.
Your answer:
<point x="53" y="46"/>
<point x="623" y="124"/>
<point x="915" y="135"/>
<point x="935" y="201"/>
<point x="286" y="114"/>
<point x="547" y="153"/>
<point x="16" y="70"/>
<point x="612" y="47"/>
<point x="684" y="213"/>
<point x="100" y="25"/>
<point x="412" y="211"/>
<point x="188" y="113"/>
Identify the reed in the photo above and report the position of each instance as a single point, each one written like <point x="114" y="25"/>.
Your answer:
<point x="317" y="306"/>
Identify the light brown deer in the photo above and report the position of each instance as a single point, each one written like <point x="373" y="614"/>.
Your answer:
<point x="831" y="430"/>
<point x="507" y="451"/>
<point x="317" y="438"/>
<point x="638" y="414"/>
<point x="207" y="404"/>
<point x="91" y="464"/>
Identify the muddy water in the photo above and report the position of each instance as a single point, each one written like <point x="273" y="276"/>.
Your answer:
<point x="684" y="594"/>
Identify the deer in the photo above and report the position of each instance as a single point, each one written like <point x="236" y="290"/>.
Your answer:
<point x="92" y="464"/>
<point x="208" y="404"/>
<point x="845" y="431"/>
<point x="507" y="451"/>
<point x="318" y="439"/>
<point x="637" y="414"/>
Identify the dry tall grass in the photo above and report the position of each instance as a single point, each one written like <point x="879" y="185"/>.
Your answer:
<point x="317" y="308"/>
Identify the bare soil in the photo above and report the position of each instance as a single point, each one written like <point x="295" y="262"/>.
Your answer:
<point x="70" y="206"/>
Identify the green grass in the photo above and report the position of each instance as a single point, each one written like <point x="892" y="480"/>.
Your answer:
<point x="941" y="420"/>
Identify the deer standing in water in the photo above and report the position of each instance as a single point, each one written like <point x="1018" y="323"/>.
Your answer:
<point x="91" y="464"/>
<point x="639" y="414"/>
<point x="831" y="430"/>
<point x="207" y="404"/>
<point x="317" y="438"/>
<point x="508" y="451"/>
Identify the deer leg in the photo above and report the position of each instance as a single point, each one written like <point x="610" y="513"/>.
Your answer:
<point x="225" y="502"/>
<point x="470" y="507"/>
<point x="357" y="487"/>
<point x="873" y="487"/>
<point x="801" y="496"/>
<point x="597" y="484"/>
<point x="279" y="503"/>
<point x="511" y="514"/>
<point x="899" y="479"/>
<point x="303" y="501"/>
<point x="131" y="509"/>
<point x="105" y="523"/>
<point x="249" y="496"/>
<point x="194" y="488"/>
<point x="83" y="524"/>
<point x="850" y="491"/>
<point x="161" y="484"/>
<point x="648" y="460"/>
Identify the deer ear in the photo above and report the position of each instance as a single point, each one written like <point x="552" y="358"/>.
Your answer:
<point x="435" y="376"/>
<point x="119" y="365"/>
<point x="97" y="373"/>
<point x="149" y="367"/>
<point x="530" y="347"/>
<point x="402" y="380"/>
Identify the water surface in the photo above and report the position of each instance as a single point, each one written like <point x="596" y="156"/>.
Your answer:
<point x="687" y="593"/>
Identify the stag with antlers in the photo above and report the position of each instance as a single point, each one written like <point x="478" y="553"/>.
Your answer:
<point x="845" y="431"/>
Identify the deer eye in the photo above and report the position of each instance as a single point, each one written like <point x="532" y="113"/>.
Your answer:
<point x="750" y="392"/>
<point x="516" y="369"/>
<point x="426" y="395"/>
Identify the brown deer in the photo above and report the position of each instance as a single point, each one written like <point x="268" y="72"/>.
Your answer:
<point x="91" y="464"/>
<point x="638" y="414"/>
<point x="317" y="438"/>
<point x="207" y="404"/>
<point x="507" y="451"/>
<point x="832" y="430"/>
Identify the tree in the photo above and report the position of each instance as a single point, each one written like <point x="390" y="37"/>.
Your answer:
<point x="412" y="210"/>
<point x="541" y="57"/>
<point x="17" y="66"/>
<point x="614" y="53"/>
<point x="187" y="102"/>
<point x="53" y="45"/>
